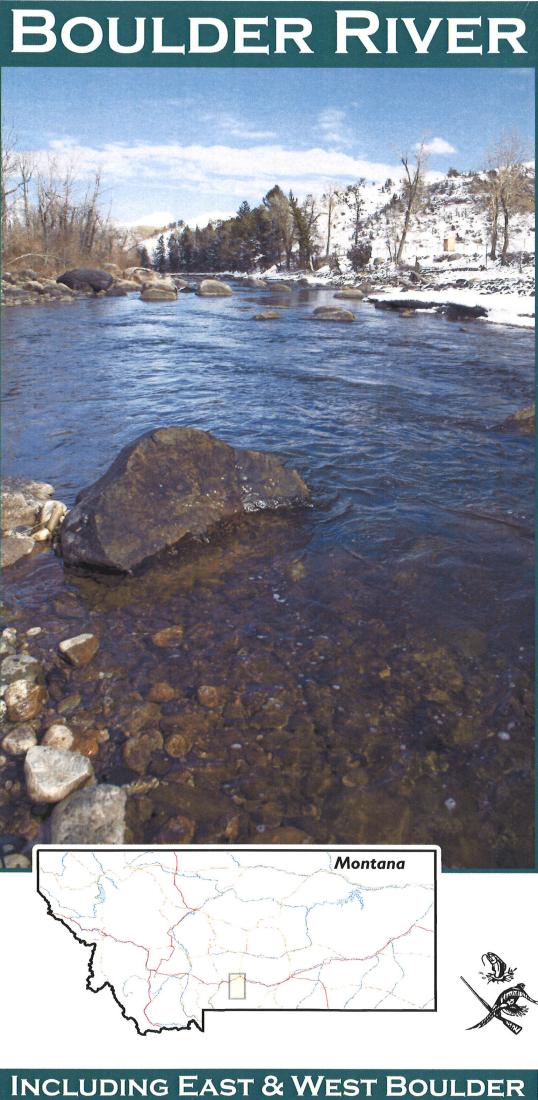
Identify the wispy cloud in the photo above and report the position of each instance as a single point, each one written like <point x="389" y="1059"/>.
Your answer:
<point x="438" y="147"/>
<point x="333" y="127"/>
<point x="242" y="171"/>
<point x="230" y="125"/>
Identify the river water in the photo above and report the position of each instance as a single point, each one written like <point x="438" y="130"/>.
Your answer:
<point x="372" y="655"/>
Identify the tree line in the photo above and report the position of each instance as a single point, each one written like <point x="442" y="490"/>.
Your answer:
<point x="281" y="231"/>
<point x="285" y="232"/>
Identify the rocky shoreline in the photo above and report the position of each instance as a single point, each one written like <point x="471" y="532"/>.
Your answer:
<point x="51" y="750"/>
<point x="467" y="295"/>
<point x="170" y="486"/>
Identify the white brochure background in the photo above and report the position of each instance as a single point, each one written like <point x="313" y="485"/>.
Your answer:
<point x="49" y="1020"/>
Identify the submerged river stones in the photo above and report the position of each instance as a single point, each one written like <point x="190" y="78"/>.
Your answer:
<point x="80" y="650"/>
<point x="93" y="815"/>
<point x="170" y="487"/>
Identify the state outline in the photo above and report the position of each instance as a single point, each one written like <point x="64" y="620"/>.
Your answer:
<point x="433" y="850"/>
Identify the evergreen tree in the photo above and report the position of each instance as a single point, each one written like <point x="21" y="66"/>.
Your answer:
<point x="159" y="256"/>
<point x="174" y="252"/>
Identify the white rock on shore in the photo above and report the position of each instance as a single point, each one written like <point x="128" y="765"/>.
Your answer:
<point x="52" y="774"/>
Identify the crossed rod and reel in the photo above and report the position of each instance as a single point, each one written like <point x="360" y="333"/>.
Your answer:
<point x="506" y="1003"/>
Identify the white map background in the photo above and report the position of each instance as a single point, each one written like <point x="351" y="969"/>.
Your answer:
<point x="167" y="928"/>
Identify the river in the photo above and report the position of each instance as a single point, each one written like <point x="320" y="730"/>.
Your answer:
<point x="372" y="655"/>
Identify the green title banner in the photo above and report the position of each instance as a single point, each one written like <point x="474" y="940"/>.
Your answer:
<point x="271" y="1084"/>
<point x="276" y="34"/>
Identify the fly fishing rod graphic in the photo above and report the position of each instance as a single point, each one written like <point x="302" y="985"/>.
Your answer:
<point x="494" y="1011"/>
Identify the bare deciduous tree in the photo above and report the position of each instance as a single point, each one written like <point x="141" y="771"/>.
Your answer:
<point x="412" y="191"/>
<point x="506" y="188"/>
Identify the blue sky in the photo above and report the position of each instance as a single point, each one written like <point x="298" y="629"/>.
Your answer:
<point x="192" y="143"/>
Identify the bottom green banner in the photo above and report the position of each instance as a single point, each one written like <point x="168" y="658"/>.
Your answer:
<point x="289" y="1084"/>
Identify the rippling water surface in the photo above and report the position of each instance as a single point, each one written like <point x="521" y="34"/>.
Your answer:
<point x="367" y="653"/>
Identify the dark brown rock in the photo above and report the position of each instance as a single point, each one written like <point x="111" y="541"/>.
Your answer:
<point x="169" y="487"/>
<point x="86" y="278"/>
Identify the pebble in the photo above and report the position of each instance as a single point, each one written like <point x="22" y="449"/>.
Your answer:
<point x="34" y="631"/>
<point x="52" y="514"/>
<point x="59" y="736"/>
<point x="503" y="735"/>
<point x="211" y="696"/>
<point x="450" y="804"/>
<point x="79" y="650"/>
<point x="168" y="637"/>
<point x="70" y="703"/>
<point x="24" y="700"/>
<point x="51" y="774"/>
<point x="17" y="862"/>
<point x="21" y="667"/>
<point x="19" y="741"/>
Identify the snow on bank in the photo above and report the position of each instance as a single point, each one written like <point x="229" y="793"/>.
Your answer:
<point x="503" y="309"/>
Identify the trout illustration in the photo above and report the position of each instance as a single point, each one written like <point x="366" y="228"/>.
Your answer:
<point x="499" y="972"/>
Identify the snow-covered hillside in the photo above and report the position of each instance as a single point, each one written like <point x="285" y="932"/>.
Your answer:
<point x="446" y="251"/>
<point x="453" y="212"/>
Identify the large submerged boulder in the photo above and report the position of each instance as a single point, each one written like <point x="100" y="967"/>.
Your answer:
<point x="168" y="487"/>
<point x="86" y="278"/>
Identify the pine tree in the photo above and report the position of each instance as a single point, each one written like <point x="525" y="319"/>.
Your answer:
<point x="159" y="256"/>
<point x="174" y="252"/>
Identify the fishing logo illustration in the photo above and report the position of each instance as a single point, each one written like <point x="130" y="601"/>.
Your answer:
<point x="507" y="1005"/>
<point x="499" y="972"/>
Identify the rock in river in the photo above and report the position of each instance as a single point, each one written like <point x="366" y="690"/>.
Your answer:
<point x="158" y="293"/>
<point x="80" y="650"/>
<point x="19" y="740"/>
<point x="350" y="292"/>
<point x="86" y="278"/>
<point x="51" y="774"/>
<point x="24" y="700"/>
<point x="213" y="288"/>
<point x="521" y="421"/>
<point x="171" y="486"/>
<point x="332" y="313"/>
<point x="94" y="815"/>
<point x="15" y="547"/>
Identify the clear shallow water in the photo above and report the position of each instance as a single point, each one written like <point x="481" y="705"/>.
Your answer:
<point x="392" y="623"/>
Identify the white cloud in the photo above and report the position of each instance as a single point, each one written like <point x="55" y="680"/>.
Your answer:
<point x="217" y="168"/>
<point x="232" y="126"/>
<point x="438" y="147"/>
<point x="333" y="127"/>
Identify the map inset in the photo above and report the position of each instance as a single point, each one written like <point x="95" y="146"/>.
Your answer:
<point x="175" y="933"/>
